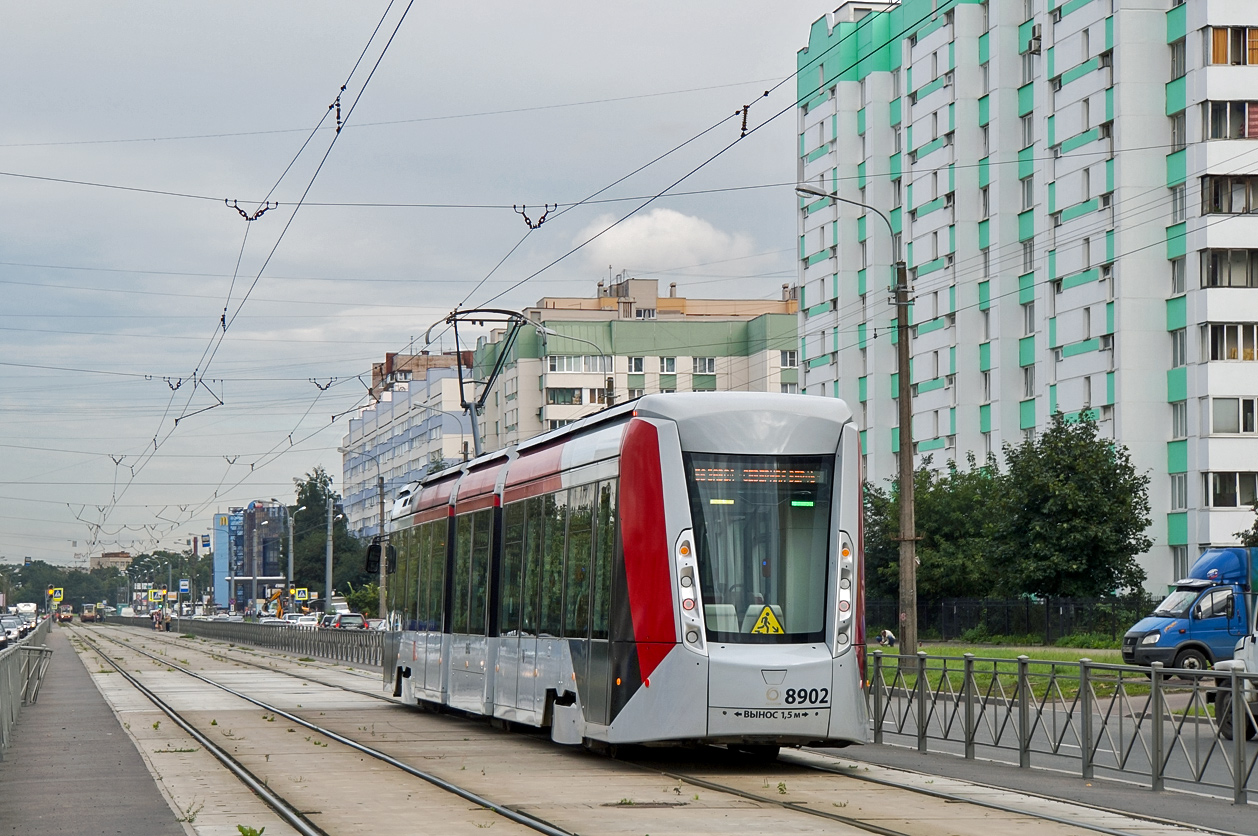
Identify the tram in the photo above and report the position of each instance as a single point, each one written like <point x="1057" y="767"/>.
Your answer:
<point x="684" y="568"/>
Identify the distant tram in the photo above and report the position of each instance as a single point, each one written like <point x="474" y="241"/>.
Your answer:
<point x="88" y="614"/>
<point x="685" y="568"/>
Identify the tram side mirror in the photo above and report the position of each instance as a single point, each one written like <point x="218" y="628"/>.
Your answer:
<point x="372" y="563"/>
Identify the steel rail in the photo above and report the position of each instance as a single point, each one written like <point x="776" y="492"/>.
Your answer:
<point x="529" y="821"/>
<point x="277" y="803"/>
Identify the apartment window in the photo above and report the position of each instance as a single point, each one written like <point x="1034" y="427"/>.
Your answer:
<point x="789" y="359"/>
<point x="563" y="397"/>
<point x="635" y="393"/>
<point x="560" y="363"/>
<point x="1085" y="110"/>
<point x="1179" y="60"/>
<point x="554" y="424"/>
<point x="987" y="444"/>
<point x="1087" y="392"/>
<point x="1028" y="435"/>
<point x="987" y="77"/>
<point x="1231" y="490"/>
<point x="934" y="125"/>
<point x="1028" y="9"/>
<point x="644" y="313"/>
<point x="1028" y="319"/>
<point x="985" y="134"/>
<point x="703" y="365"/>
<point x="895" y="141"/>
<point x="1179" y="131"/>
<point x="1231" y="120"/>
<point x="1028" y="256"/>
<point x="1235" y="45"/>
<point x="895" y="84"/>
<point x="1179" y="269"/>
<point x="1224" y="195"/>
<point x="1086" y="174"/>
<point x="1234" y="341"/>
<point x="1229" y="268"/>
<point x="1028" y="193"/>
<point x="897" y="189"/>
<point x="1179" y="491"/>
<point x="1086" y="252"/>
<point x="664" y="391"/>
<point x="1179" y="419"/>
<point x="668" y="365"/>
<point x="598" y="396"/>
<point x="864" y="251"/>
<point x="790" y="388"/>
<point x="1028" y="130"/>
<point x="986" y="380"/>
<point x="434" y="434"/>
<point x="986" y="255"/>
<point x="1028" y="67"/>
<point x="1179" y="554"/>
<point x="1028" y="382"/>
<point x="1179" y="203"/>
<point x="637" y="365"/>
<point x="985" y="319"/>
<point x="1087" y="323"/>
<point x="1179" y="348"/>
<point x="1233" y="415"/>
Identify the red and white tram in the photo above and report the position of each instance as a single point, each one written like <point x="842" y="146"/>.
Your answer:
<point x="683" y="568"/>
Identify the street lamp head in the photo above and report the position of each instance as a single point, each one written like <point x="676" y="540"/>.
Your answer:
<point x="342" y="450"/>
<point x="302" y="508"/>
<point x="809" y="190"/>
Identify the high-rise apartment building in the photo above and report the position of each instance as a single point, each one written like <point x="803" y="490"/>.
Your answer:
<point x="1066" y="180"/>
<point x="416" y="426"/>
<point x="585" y="353"/>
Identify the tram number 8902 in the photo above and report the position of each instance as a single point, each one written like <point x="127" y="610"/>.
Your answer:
<point x="807" y="696"/>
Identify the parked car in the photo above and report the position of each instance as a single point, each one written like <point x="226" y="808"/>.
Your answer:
<point x="349" y="620"/>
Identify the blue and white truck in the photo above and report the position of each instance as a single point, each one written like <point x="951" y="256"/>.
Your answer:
<point x="1200" y="623"/>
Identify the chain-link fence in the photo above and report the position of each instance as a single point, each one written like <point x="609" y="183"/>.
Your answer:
<point x="1046" y="619"/>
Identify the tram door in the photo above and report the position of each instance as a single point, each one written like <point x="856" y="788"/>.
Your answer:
<point x="529" y="667"/>
<point x="432" y="545"/>
<point x="507" y="653"/>
<point x="469" y="649"/>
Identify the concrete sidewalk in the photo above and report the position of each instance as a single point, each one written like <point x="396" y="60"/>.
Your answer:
<point x="72" y="768"/>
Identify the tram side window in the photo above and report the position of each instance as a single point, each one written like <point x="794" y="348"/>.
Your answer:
<point x="551" y="611"/>
<point x="512" y="569"/>
<point x="580" y="545"/>
<point x="394" y="581"/>
<point x="482" y="544"/>
<point x="534" y="509"/>
<point x="462" y="570"/>
<point x="419" y="545"/>
<point x="604" y="545"/>
<point x="436" y="574"/>
<point x="408" y="569"/>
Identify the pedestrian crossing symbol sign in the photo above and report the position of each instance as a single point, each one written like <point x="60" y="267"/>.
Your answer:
<point x="301" y="593"/>
<point x="767" y="623"/>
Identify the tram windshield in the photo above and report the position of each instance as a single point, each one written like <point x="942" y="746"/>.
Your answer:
<point x="762" y="536"/>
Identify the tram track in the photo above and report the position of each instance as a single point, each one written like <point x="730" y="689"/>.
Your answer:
<point x="681" y="776"/>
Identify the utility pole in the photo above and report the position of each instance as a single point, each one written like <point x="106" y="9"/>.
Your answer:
<point x="327" y="562"/>
<point x="908" y="524"/>
<point x="384" y="539"/>
<point x="288" y="581"/>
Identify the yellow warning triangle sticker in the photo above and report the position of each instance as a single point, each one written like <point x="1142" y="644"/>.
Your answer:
<point x="768" y="623"/>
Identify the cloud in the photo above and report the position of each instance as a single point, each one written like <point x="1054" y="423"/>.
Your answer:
<point x="658" y="240"/>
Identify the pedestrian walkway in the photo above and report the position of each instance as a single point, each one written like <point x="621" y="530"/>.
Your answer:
<point x="72" y="768"/>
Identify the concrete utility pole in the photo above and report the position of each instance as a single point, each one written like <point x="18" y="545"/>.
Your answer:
<point x="904" y="397"/>
<point x="327" y="563"/>
<point x="908" y="522"/>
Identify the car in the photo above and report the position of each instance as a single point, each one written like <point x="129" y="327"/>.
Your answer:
<point x="349" y="620"/>
<point x="327" y="619"/>
<point x="377" y="624"/>
<point x="13" y="627"/>
<point x="308" y="622"/>
<point x="272" y="622"/>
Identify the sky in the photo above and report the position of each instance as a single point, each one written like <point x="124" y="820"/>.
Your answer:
<point x="133" y="130"/>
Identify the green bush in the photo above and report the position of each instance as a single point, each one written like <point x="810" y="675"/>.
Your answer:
<point x="1090" y="640"/>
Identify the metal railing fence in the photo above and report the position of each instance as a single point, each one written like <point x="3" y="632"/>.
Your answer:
<point x="363" y="647"/>
<point x="22" y="668"/>
<point x="1156" y="725"/>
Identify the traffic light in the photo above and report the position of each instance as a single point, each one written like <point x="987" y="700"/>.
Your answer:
<point x="372" y="563"/>
<point x="51" y="590"/>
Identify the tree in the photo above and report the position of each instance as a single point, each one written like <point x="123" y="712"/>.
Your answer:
<point x="952" y="512"/>
<point x="1250" y="537"/>
<point x="310" y="536"/>
<point x="1071" y="516"/>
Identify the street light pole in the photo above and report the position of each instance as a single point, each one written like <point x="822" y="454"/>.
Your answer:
<point x="908" y="530"/>
<point x="383" y="537"/>
<point x="327" y="563"/>
<point x="288" y="581"/>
